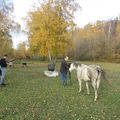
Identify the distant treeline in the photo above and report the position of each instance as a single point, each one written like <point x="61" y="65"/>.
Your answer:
<point x="52" y="33"/>
<point x="99" y="41"/>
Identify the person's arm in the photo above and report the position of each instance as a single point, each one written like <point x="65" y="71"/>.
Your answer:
<point x="66" y="66"/>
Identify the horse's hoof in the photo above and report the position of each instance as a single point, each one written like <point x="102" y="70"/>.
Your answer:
<point x="95" y="99"/>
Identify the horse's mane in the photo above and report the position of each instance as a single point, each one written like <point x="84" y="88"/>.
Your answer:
<point x="76" y="64"/>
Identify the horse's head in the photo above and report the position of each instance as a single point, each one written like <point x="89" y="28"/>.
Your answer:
<point x="73" y="66"/>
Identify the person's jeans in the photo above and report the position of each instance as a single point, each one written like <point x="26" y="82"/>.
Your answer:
<point x="63" y="78"/>
<point x="3" y="69"/>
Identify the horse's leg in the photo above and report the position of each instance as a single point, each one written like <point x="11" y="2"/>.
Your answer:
<point x="94" y="84"/>
<point x="98" y="81"/>
<point x="80" y="83"/>
<point x="87" y="86"/>
<point x="96" y="94"/>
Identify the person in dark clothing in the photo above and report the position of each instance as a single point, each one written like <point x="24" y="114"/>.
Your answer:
<point x="64" y="71"/>
<point x="3" y="64"/>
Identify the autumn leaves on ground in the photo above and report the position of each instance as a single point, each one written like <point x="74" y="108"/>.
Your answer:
<point x="29" y="95"/>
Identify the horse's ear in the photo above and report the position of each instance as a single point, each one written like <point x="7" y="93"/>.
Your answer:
<point x="69" y="65"/>
<point x="76" y="64"/>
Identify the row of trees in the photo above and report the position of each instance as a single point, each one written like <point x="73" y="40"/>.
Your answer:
<point x="99" y="41"/>
<point x="53" y="33"/>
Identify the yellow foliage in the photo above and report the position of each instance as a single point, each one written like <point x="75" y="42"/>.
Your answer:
<point x="49" y="29"/>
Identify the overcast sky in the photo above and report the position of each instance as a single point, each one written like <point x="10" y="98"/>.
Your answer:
<point x="92" y="10"/>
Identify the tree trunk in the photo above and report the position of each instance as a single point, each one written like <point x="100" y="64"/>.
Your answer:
<point x="49" y="56"/>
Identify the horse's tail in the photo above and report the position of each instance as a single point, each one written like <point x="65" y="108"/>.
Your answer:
<point x="103" y="74"/>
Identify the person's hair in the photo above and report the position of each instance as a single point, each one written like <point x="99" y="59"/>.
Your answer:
<point x="5" y="55"/>
<point x="66" y="58"/>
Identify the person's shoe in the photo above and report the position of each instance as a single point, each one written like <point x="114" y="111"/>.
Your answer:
<point x="3" y="84"/>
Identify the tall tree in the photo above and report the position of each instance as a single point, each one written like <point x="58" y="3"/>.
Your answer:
<point x="5" y="26"/>
<point x="50" y="27"/>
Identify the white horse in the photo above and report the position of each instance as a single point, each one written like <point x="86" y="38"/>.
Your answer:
<point x="88" y="73"/>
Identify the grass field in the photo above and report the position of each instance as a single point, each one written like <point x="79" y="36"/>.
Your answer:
<point x="29" y="95"/>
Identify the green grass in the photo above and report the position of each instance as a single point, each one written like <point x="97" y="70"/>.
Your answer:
<point x="29" y="95"/>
